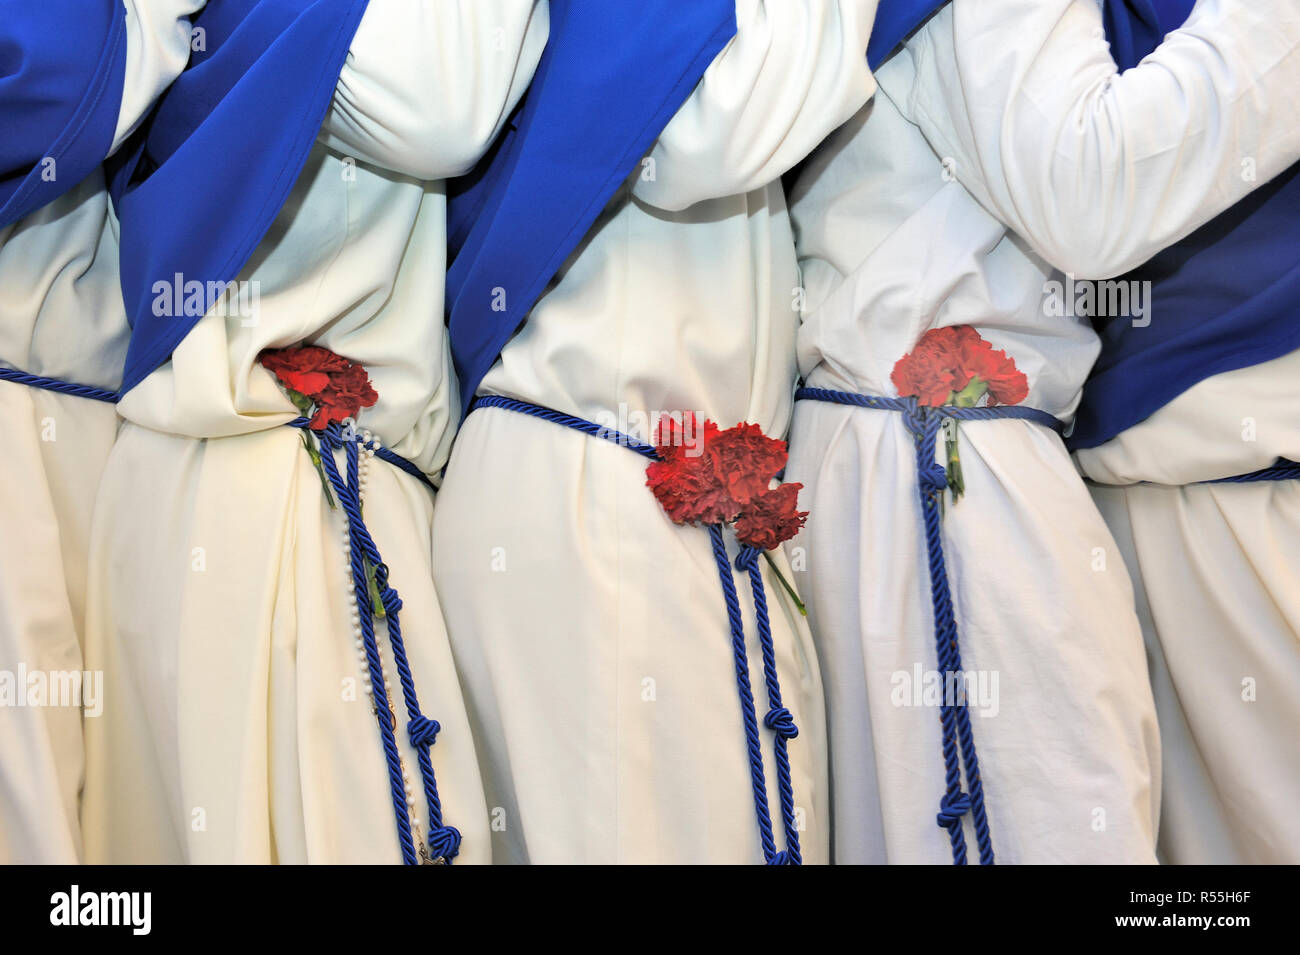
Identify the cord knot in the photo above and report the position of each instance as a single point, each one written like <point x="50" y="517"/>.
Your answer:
<point x="391" y="601"/>
<point x="933" y="477"/>
<point x="423" y="731"/>
<point x="952" y="809"/>
<point x="781" y="722"/>
<point x="747" y="559"/>
<point x="444" y="844"/>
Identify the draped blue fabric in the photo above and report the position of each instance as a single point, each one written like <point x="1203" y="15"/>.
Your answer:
<point x="199" y="187"/>
<point x="1222" y="299"/>
<point x="62" y="66"/>
<point x="895" y="19"/>
<point x="612" y="74"/>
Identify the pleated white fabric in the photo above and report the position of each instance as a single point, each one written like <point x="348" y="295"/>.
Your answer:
<point x="61" y="316"/>
<point x="590" y="631"/>
<point x="1214" y="570"/>
<point x="236" y="726"/>
<point x="1002" y="146"/>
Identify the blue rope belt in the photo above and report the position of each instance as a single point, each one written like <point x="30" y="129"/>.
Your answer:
<point x="58" y="385"/>
<point x="1280" y="470"/>
<point x="932" y="480"/>
<point x="778" y="719"/>
<point x="444" y="841"/>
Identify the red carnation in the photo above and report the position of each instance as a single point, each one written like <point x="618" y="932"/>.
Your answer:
<point x="745" y="460"/>
<point x="712" y="480"/>
<point x="726" y="476"/>
<point x="771" y="518"/>
<point x="929" y="373"/>
<point x="338" y="388"/>
<point x="1007" y="384"/>
<point x="956" y="365"/>
<point x="681" y="479"/>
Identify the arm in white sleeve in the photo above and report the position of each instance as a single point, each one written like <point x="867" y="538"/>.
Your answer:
<point x="157" y="50"/>
<point x="795" y="70"/>
<point x="1100" y="170"/>
<point x="428" y="84"/>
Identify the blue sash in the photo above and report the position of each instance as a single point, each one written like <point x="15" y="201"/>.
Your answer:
<point x="202" y="182"/>
<point x="62" y="67"/>
<point x="895" y="20"/>
<point x="610" y="78"/>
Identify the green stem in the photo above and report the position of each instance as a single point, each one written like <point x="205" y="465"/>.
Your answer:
<point x="969" y="396"/>
<point x="785" y="583"/>
<point x="956" y="483"/>
<point x="320" y="469"/>
<point x="377" y="605"/>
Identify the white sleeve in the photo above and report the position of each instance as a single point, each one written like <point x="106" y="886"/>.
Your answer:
<point x="1100" y="170"/>
<point x="157" y="50"/>
<point x="428" y="84"/>
<point x="795" y="70"/>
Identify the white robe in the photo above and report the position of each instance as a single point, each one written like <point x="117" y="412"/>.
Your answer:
<point x="1214" y="567"/>
<point x="236" y="726"/>
<point x="589" y="630"/>
<point x="61" y="316"/>
<point x="1001" y="147"/>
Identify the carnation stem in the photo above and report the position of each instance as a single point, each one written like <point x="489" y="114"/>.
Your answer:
<point x="320" y="468"/>
<point x="785" y="583"/>
<point x="376" y="605"/>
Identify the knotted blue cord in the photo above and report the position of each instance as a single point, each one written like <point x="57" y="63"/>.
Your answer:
<point x="932" y="481"/>
<point x="58" y="385"/>
<point x="444" y="841"/>
<point x="778" y="719"/>
<point x="754" y="745"/>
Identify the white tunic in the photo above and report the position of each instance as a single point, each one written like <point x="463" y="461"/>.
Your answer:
<point x="1002" y="146"/>
<point x="589" y="630"/>
<point x="1214" y="567"/>
<point x="237" y="729"/>
<point x="61" y="316"/>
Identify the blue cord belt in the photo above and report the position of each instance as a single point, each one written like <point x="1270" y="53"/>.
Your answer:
<point x="58" y="385"/>
<point x="444" y="841"/>
<point x="778" y="719"/>
<point x="932" y="480"/>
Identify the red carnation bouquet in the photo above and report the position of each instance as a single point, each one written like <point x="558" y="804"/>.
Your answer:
<point x="725" y="477"/>
<point x="956" y="366"/>
<point x="318" y="379"/>
<point x="325" y="386"/>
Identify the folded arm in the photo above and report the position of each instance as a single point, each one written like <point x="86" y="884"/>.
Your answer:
<point x="157" y="50"/>
<point x="428" y="84"/>
<point x="795" y="70"/>
<point x="1100" y="170"/>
